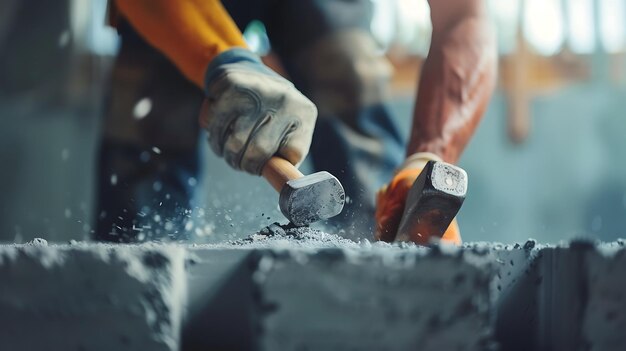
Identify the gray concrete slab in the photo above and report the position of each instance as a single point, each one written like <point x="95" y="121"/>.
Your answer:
<point x="570" y="296"/>
<point x="301" y="289"/>
<point x="91" y="297"/>
<point x="374" y="299"/>
<point x="604" y="318"/>
<point x="220" y="301"/>
<point x="515" y="294"/>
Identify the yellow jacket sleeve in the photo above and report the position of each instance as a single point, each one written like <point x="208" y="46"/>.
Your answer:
<point x="189" y="32"/>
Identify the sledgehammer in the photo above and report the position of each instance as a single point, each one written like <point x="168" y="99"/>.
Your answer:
<point x="433" y="201"/>
<point x="304" y="199"/>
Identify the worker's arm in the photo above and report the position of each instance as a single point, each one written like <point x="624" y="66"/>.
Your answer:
<point x="190" y="33"/>
<point x="457" y="80"/>
<point x="251" y="113"/>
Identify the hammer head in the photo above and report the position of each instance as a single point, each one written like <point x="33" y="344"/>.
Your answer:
<point x="433" y="202"/>
<point x="312" y="198"/>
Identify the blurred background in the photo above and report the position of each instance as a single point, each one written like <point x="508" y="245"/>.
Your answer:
<point x="547" y="162"/>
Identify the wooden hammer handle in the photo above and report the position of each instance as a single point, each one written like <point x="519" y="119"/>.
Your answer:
<point x="279" y="171"/>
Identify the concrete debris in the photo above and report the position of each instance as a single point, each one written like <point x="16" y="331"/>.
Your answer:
<point x="288" y="236"/>
<point x="298" y="288"/>
<point x="530" y="244"/>
<point x="38" y="241"/>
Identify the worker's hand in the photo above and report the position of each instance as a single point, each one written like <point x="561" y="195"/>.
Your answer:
<point x="391" y="200"/>
<point x="252" y="113"/>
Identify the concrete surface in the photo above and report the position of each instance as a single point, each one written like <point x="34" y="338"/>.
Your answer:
<point x="570" y="296"/>
<point x="604" y="318"/>
<point x="306" y="290"/>
<point x="515" y="294"/>
<point x="91" y="297"/>
<point x="373" y="299"/>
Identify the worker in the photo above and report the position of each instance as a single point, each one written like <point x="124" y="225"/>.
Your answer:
<point x="174" y="54"/>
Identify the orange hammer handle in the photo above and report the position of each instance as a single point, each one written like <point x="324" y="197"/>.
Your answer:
<point x="279" y="171"/>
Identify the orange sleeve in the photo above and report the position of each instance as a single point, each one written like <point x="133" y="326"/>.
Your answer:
<point x="189" y="32"/>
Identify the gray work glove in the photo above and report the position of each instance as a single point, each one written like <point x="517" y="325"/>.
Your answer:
<point x="252" y="113"/>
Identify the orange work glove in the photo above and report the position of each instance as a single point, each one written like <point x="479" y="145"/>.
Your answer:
<point x="390" y="202"/>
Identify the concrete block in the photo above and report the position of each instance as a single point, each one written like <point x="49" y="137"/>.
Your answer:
<point x="91" y="297"/>
<point x="604" y="318"/>
<point x="515" y="294"/>
<point x="382" y="298"/>
<point x="540" y="296"/>
<point x="566" y="297"/>
<point x="220" y="300"/>
<point x="288" y="289"/>
<point x="223" y="301"/>
<point x="561" y="297"/>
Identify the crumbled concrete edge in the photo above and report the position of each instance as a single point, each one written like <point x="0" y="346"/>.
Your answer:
<point x="149" y="295"/>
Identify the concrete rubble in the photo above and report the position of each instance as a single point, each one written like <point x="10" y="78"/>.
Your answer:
<point x="293" y="289"/>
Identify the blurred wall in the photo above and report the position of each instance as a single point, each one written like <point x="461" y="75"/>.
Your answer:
<point x="567" y="180"/>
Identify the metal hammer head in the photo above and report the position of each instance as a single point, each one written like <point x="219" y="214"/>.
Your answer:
<point x="312" y="198"/>
<point x="433" y="202"/>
